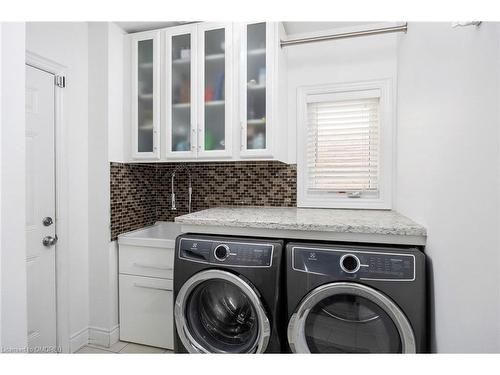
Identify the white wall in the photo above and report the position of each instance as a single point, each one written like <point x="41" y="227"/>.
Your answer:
<point x="105" y="117"/>
<point x="94" y="110"/>
<point x="1" y="52"/>
<point x="12" y="190"/>
<point x="119" y="80"/>
<point x="447" y="152"/>
<point x="118" y="143"/>
<point x="447" y="174"/>
<point x="67" y="43"/>
<point x="349" y="60"/>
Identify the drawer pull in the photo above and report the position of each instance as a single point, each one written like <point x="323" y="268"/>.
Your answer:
<point x="153" y="266"/>
<point x="151" y="287"/>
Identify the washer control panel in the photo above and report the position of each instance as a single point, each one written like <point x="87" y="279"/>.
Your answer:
<point x="228" y="253"/>
<point x="355" y="264"/>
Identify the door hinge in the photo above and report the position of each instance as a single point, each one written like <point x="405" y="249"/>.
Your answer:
<point x="60" y="81"/>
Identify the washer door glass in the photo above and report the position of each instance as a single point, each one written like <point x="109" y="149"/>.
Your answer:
<point x="221" y="317"/>
<point x="347" y="323"/>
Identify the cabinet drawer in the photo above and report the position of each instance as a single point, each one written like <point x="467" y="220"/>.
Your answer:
<point x="146" y="261"/>
<point x="146" y="311"/>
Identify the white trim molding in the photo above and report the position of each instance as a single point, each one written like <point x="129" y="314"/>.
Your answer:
<point x="1" y="125"/>
<point x="387" y="114"/>
<point x="78" y="340"/>
<point x="94" y="336"/>
<point x="64" y="341"/>
<point x="104" y="337"/>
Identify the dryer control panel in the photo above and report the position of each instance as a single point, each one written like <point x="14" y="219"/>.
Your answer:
<point x="243" y="254"/>
<point x="354" y="264"/>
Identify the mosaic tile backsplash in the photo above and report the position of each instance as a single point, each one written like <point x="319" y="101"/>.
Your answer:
<point x="140" y="193"/>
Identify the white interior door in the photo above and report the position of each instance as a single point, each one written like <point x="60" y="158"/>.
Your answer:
<point x="40" y="210"/>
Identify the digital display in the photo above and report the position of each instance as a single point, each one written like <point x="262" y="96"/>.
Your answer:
<point x="239" y="253"/>
<point x="372" y="265"/>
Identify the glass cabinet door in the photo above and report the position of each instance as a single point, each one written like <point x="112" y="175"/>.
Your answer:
<point x="215" y="89"/>
<point x="254" y="88"/>
<point x="145" y="88"/>
<point x="180" y="92"/>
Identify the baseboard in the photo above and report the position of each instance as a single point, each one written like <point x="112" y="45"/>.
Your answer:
<point x="78" y="340"/>
<point x="114" y="336"/>
<point x="104" y="337"/>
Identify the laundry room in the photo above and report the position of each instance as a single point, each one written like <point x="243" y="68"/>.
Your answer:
<point x="187" y="185"/>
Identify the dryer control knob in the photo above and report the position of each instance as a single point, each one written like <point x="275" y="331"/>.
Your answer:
<point x="350" y="263"/>
<point x="221" y="252"/>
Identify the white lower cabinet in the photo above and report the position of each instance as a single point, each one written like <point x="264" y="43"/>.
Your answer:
<point x="146" y="271"/>
<point x="146" y="310"/>
<point x="147" y="261"/>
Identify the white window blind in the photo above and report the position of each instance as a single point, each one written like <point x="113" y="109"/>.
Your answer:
<point x="343" y="143"/>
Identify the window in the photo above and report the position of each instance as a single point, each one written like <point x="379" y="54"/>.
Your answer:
<point x="345" y="146"/>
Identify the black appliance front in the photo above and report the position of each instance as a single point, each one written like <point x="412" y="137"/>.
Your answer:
<point x="226" y="295"/>
<point x="353" y="300"/>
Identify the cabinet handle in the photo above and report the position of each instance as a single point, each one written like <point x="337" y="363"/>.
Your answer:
<point x="142" y="265"/>
<point x="151" y="287"/>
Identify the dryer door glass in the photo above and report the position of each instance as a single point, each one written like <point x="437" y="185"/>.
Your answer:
<point x="221" y="318"/>
<point x="347" y="323"/>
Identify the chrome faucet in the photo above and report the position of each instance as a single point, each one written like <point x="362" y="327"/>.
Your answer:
<point x="190" y="189"/>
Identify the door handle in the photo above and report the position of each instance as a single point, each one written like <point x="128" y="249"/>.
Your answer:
<point x="49" y="241"/>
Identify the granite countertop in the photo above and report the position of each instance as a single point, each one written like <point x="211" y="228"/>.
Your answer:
<point x="372" y="222"/>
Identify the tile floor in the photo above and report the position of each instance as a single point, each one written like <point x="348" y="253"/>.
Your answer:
<point x="122" y="347"/>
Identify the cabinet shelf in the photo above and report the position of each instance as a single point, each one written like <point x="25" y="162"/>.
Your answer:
<point x="181" y="61"/>
<point x="147" y="65"/>
<point x="148" y="127"/>
<point x="257" y="52"/>
<point x="215" y="103"/>
<point x="257" y="121"/>
<point x="146" y="96"/>
<point x="255" y="87"/>
<point x="212" y="103"/>
<point x="213" y="57"/>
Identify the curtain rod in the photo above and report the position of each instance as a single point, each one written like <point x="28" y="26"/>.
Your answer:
<point x="353" y="34"/>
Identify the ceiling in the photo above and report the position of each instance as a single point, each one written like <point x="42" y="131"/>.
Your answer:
<point x="133" y="27"/>
<point x="299" y="27"/>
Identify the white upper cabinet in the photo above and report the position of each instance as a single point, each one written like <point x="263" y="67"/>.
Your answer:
<point x="262" y="92"/>
<point x="256" y="88"/>
<point x="145" y="95"/>
<point x="215" y="90"/>
<point x="222" y="93"/>
<point x="180" y="88"/>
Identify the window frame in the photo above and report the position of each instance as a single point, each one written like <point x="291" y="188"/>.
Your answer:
<point x="387" y="114"/>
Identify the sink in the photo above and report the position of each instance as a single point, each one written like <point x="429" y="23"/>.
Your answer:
<point x="161" y="234"/>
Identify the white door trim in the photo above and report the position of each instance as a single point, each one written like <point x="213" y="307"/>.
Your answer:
<point x="62" y="260"/>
